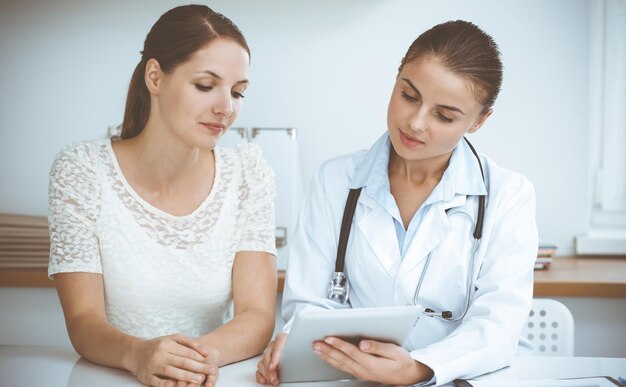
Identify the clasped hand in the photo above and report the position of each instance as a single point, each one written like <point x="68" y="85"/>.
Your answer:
<point x="173" y="361"/>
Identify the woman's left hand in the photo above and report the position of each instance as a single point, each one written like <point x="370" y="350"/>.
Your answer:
<point x="212" y="358"/>
<point x="373" y="361"/>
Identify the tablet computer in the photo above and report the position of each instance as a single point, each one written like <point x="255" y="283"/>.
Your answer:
<point x="298" y="363"/>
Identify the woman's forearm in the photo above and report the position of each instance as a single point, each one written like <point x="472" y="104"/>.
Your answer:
<point x="99" y="342"/>
<point x="254" y="299"/>
<point x="243" y="337"/>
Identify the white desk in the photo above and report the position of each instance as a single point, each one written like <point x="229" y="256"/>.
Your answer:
<point x="57" y="366"/>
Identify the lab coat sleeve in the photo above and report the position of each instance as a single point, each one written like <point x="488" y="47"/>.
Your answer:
<point x="487" y="338"/>
<point x="313" y="252"/>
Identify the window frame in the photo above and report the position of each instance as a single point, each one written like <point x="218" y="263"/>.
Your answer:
<point x="607" y="136"/>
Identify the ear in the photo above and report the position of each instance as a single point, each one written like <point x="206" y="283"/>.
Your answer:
<point x="481" y="120"/>
<point x="153" y="76"/>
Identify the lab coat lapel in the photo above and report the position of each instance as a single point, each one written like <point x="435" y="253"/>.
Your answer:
<point x="378" y="230"/>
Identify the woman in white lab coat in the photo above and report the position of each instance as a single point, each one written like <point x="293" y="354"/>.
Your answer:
<point x="413" y="230"/>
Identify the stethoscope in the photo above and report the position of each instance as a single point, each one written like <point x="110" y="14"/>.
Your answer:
<point x="339" y="286"/>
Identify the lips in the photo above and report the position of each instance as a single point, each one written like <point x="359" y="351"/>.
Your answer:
<point x="214" y="127"/>
<point x="409" y="141"/>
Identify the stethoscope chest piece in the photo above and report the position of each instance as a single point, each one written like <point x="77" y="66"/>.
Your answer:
<point x="446" y="314"/>
<point x="339" y="288"/>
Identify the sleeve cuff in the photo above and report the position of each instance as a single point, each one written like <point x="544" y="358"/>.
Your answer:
<point x="418" y="356"/>
<point x="426" y="383"/>
<point x="262" y="247"/>
<point x="55" y="269"/>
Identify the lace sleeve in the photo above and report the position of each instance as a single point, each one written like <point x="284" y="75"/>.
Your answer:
<point x="73" y="200"/>
<point x="257" y="201"/>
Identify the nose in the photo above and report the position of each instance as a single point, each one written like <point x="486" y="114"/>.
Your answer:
<point x="417" y="120"/>
<point x="223" y="105"/>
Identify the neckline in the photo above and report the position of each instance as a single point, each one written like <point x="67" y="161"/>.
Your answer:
<point x="151" y="208"/>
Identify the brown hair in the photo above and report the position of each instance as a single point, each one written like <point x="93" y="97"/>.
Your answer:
<point x="172" y="40"/>
<point x="465" y="50"/>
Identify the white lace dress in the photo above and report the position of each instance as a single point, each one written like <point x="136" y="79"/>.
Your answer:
<point x="162" y="274"/>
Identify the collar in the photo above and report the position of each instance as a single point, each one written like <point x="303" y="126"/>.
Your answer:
<point x="372" y="170"/>
<point x="463" y="175"/>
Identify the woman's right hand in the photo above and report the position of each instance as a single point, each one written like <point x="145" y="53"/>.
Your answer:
<point x="170" y="361"/>
<point x="267" y="369"/>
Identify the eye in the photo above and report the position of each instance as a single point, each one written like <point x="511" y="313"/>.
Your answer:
<point x="443" y="118"/>
<point x="409" y="98"/>
<point x="237" y="95"/>
<point x="203" y="88"/>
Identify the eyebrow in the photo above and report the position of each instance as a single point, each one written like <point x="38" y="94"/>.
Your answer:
<point x="214" y="75"/>
<point x="447" y="107"/>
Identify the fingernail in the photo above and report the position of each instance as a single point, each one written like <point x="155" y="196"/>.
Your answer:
<point x="365" y="345"/>
<point x="328" y="340"/>
<point x="316" y="350"/>
<point x="198" y="378"/>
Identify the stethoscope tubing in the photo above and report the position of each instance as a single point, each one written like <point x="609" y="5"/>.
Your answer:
<point x="468" y="296"/>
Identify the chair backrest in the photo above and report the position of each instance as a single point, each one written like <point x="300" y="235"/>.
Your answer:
<point x="550" y="328"/>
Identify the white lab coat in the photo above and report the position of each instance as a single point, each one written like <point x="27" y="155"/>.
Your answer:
<point x="487" y="338"/>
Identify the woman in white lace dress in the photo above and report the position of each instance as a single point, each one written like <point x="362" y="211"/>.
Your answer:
<point x="162" y="244"/>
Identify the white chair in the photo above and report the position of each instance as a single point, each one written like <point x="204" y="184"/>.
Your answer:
<point x="550" y="328"/>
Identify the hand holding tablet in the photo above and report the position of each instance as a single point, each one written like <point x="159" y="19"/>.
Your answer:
<point x="298" y="362"/>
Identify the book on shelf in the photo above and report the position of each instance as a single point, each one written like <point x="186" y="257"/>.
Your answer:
<point x="543" y="263"/>
<point x="24" y="242"/>
<point x="545" y="253"/>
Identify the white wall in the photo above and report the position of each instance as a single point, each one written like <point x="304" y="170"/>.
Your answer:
<point x="325" y="66"/>
<point x="32" y="316"/>
<point x="598" y="325"/>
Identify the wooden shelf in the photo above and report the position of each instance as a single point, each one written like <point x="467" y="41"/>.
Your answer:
<point x="573" y="277"/>
<point x="583" y="276"/>
<point x="34" y="278"/>
<point x="281" y="280"/>
<point x="24" y="249"/>
<point x="566" y="277"/>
